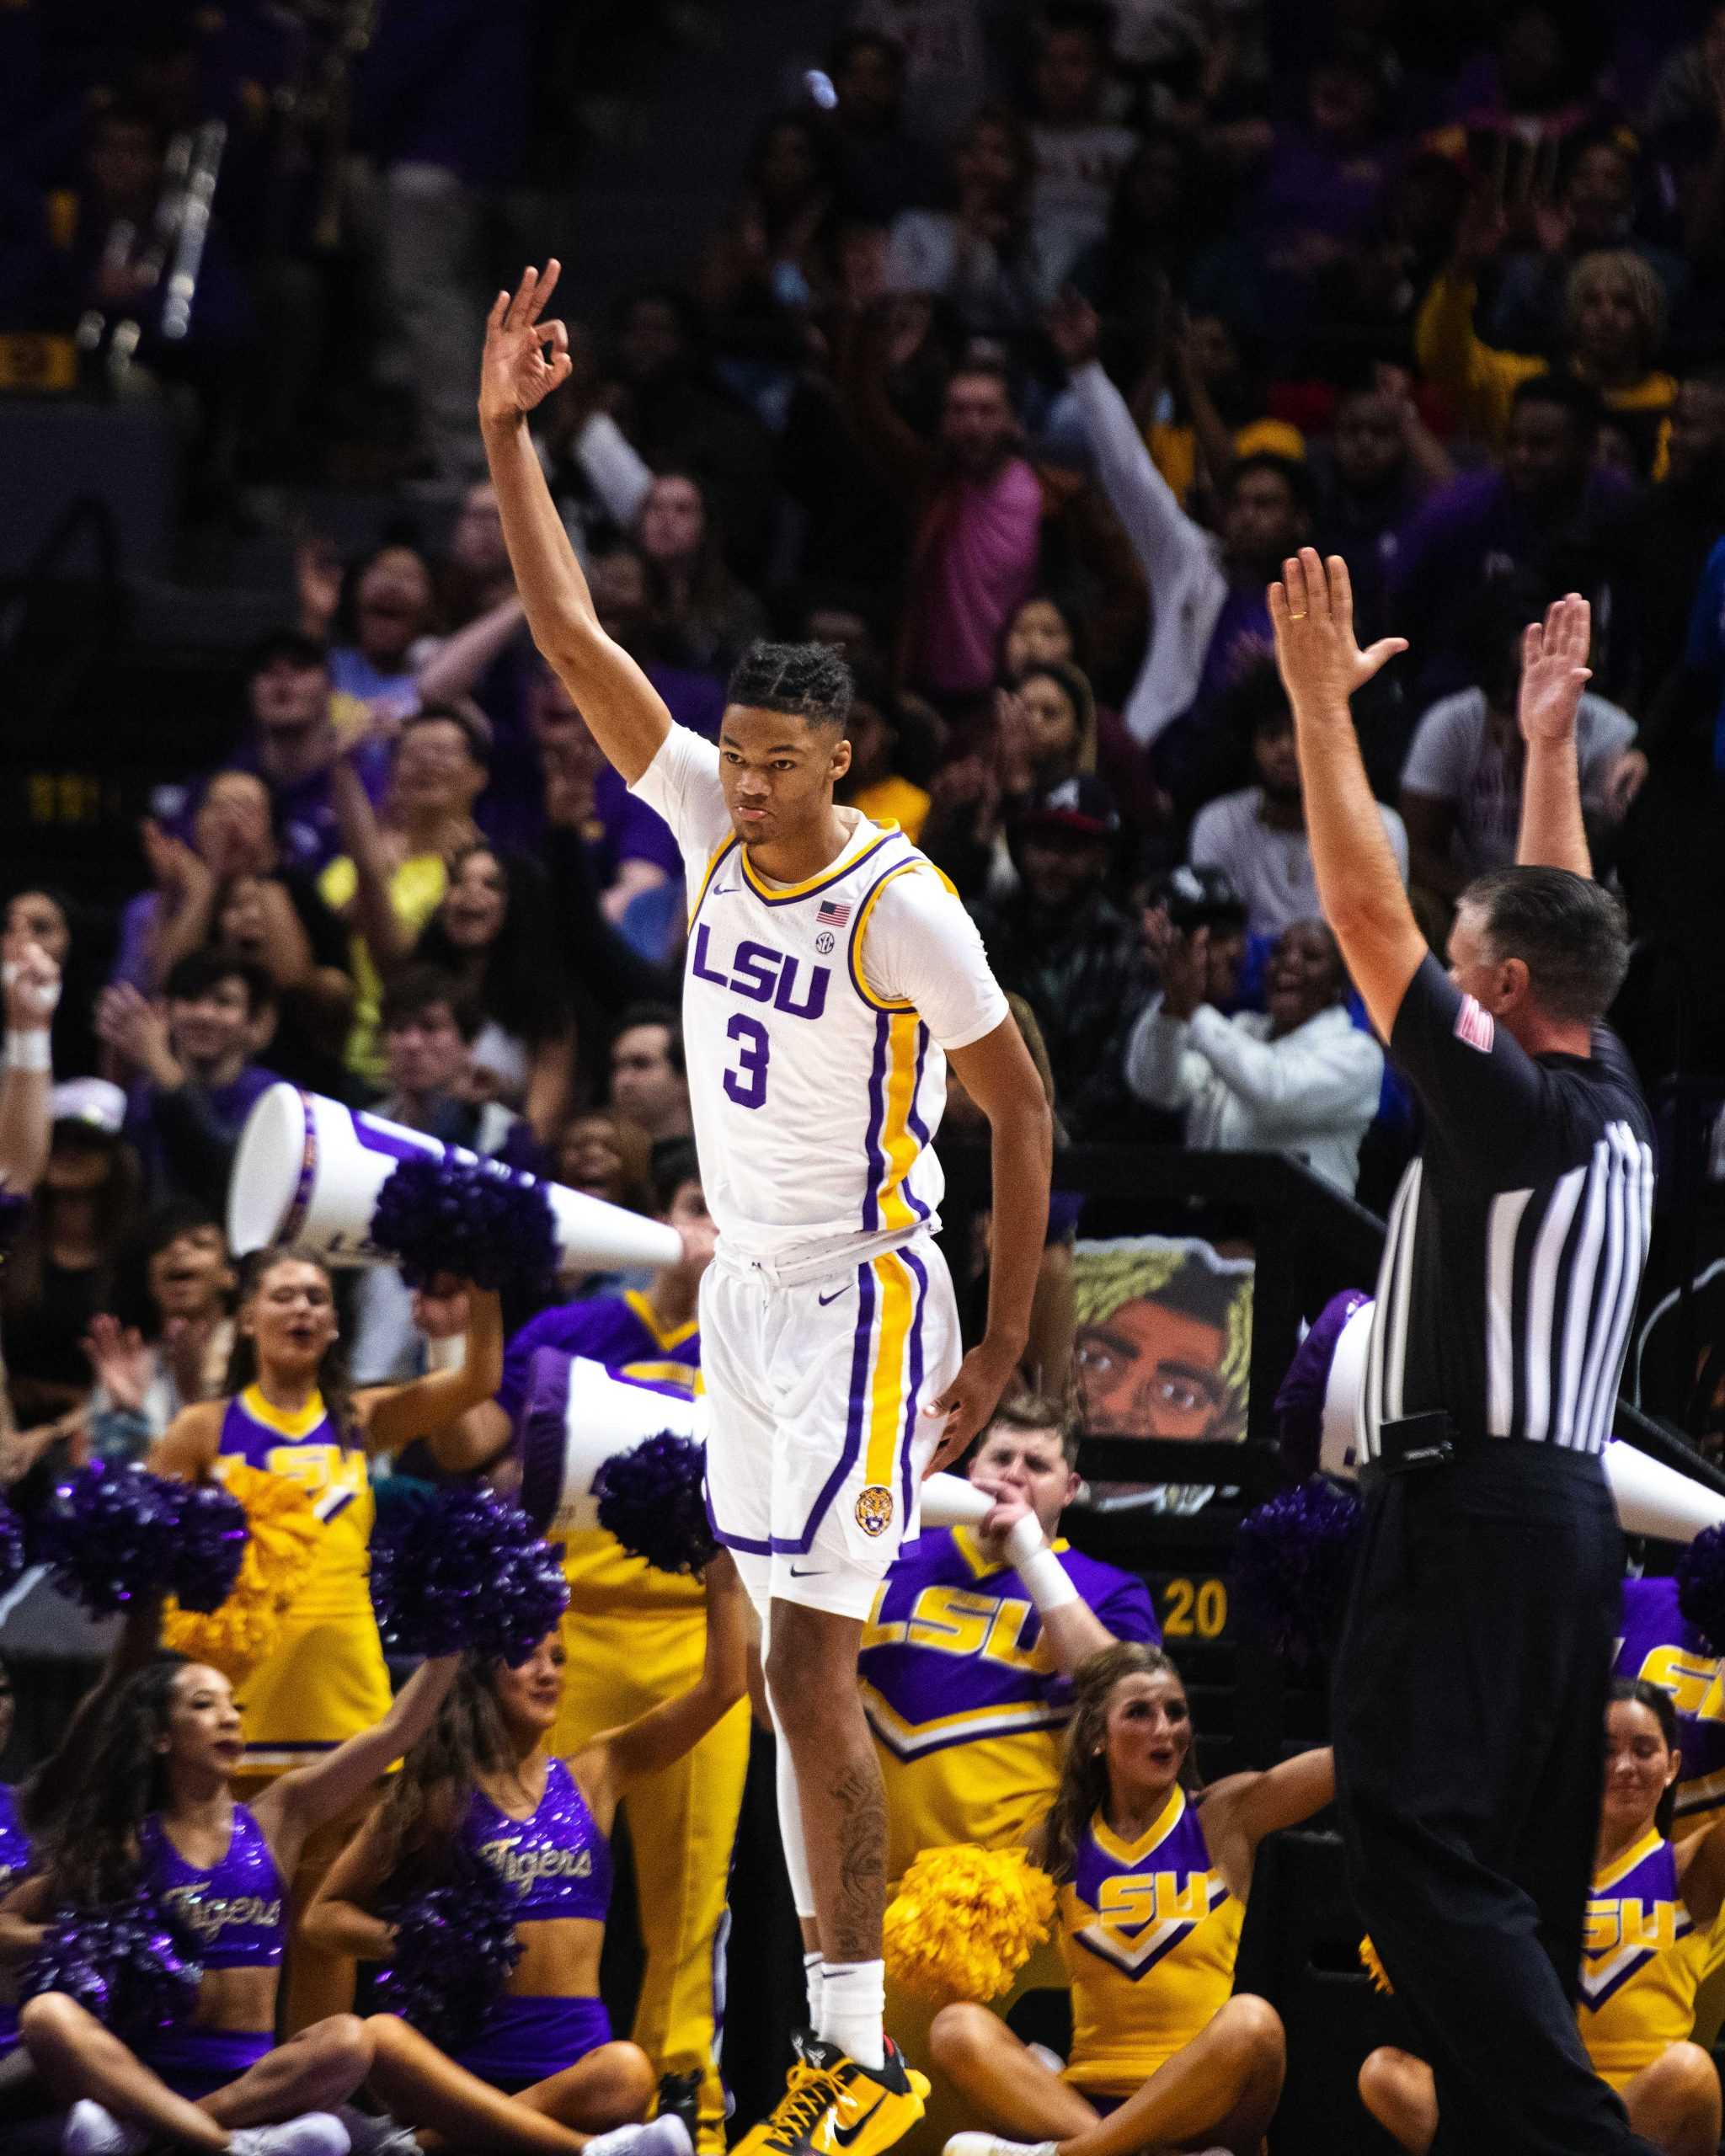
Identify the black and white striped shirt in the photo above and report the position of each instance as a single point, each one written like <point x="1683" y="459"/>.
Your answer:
<point x="1517" y="1239"/>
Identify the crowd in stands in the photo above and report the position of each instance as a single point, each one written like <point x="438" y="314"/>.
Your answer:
<point x="1036" y="335"/>
<point x="1034" y="338"/>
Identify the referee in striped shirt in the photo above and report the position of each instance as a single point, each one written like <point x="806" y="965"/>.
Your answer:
<point x="1471" y="1679"/>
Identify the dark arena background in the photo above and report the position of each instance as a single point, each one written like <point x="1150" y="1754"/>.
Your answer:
<point x="1008" y="347"/>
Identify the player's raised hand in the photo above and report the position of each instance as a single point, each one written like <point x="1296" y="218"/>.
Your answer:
<point x="525" y="358"/>
<point x="1311" y="612"/>
<point x="1554" y="670"/>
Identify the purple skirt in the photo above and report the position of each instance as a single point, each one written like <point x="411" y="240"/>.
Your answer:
<point x="195" y="2062"/>
<point x="526" y="2040"/>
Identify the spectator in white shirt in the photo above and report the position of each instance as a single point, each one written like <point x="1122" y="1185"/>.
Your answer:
<point x="1258" y="834"/>
<point x="1462" y="783"/>
<point x="1302" y="1080"/>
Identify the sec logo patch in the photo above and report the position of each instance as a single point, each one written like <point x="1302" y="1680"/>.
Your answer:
<point x="823" y="943"/>
<point x="874" y="1509"/>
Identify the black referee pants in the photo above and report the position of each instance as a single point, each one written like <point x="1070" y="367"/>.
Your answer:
<point x="1470" y="1700"/>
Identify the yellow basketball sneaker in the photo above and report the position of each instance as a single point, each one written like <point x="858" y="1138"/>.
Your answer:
<point x="832" y="2106"/>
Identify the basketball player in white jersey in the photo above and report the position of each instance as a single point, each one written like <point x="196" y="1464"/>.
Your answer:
<point x="832" y="974"/>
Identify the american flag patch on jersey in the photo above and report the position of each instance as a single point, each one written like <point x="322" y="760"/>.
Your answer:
<point x="830" y="915"/>
<point x="1478" y="1027"/>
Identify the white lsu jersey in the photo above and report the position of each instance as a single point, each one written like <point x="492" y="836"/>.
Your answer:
<point x="816" y="1020"/>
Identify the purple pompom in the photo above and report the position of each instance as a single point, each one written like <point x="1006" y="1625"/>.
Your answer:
<point x="468" y="1218"/>
<point x="1293" y="1562"/>
<point x="128" y="1963"/>
<point x="209" y="1546"/>
<point x="14" y="1556"/>
<point x="466" y="1571"/>
<point x="650" y="1499"/>
<point x="456" y="1949"/>
<point x="1701" y="1587"/>
<point x="1300" y="1400"/>
<point x="110" y="1534"/>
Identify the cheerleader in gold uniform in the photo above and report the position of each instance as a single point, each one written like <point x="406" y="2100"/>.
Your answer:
<point x="1650" y="1939"/>
<point x="1153" y="1880"/>
<point x="289" y="1413"/>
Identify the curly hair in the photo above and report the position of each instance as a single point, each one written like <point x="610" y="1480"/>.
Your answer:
<point x="803" y="680"/>
<point x="1083" y="1787"/>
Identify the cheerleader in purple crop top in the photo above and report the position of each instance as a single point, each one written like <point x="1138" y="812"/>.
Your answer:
<point x="484" y="1787"/>
<point x="152" y="1806"/>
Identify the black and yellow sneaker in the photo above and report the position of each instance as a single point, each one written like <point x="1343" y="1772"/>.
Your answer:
<point x="833" y="2106"/>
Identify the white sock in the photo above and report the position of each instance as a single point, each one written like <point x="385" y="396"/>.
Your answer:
<point x="853" y="2009"/>
<point x="815" y="1982"/>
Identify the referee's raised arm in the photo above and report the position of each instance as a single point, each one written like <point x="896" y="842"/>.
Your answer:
<point x="1358" y="882"/>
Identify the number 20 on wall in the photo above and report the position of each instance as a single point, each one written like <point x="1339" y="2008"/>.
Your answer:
<point x="1194" y="1610"/>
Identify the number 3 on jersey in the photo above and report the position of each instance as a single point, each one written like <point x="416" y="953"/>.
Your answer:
<point x="747" y="1084"/>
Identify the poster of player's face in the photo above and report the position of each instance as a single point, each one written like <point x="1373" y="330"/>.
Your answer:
<point x="1164" y="1340"/>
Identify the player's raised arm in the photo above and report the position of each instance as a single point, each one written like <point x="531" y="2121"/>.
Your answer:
<point x="1359" y="881"/>
<point x="525" y="359"/>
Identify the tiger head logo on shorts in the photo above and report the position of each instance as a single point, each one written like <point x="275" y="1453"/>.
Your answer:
<point x="874" y="1509"/>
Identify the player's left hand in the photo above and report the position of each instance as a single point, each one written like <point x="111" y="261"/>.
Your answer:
<point x="968" y="1400"/>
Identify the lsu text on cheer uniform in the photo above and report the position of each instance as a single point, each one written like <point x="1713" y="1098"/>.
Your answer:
<point x="1644" y="1957"/>
<point x="558" y="1863"/>
<point x="816" y="1016"/>
<point x="634" y="1638"/>
<point x="235" y="1909"/>
<point x="1150" y="1933"/>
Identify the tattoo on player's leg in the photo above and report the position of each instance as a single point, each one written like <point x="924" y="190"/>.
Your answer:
<point x="861" y="1802"/>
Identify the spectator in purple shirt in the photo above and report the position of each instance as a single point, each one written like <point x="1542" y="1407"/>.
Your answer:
<point x="195" y="1081"/>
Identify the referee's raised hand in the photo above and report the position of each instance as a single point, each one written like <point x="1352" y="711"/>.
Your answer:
<point x="1554" y="670"/>
<point x="1311" y="612"/>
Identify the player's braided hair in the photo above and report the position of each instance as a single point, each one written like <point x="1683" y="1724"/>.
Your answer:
<point x="806" y="680"/>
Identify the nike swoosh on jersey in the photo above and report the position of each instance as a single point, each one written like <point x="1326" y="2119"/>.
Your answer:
<point x="825" y="1300"/>
<point x="806" y="1571"/>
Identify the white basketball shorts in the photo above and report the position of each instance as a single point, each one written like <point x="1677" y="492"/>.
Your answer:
<point x="818" y="1444"/>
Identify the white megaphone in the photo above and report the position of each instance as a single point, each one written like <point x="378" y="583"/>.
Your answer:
<point x="949" y="1501"/>
<point x="308" y="1171"/>
<point x="1651" y="1498"/>
<point x="575" y="1415"/>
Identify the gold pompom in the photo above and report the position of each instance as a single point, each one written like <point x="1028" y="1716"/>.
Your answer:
<point x="964" y="1921"/>
<point x="282" y="1533"/>
<point x="1373" y="1967"/>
